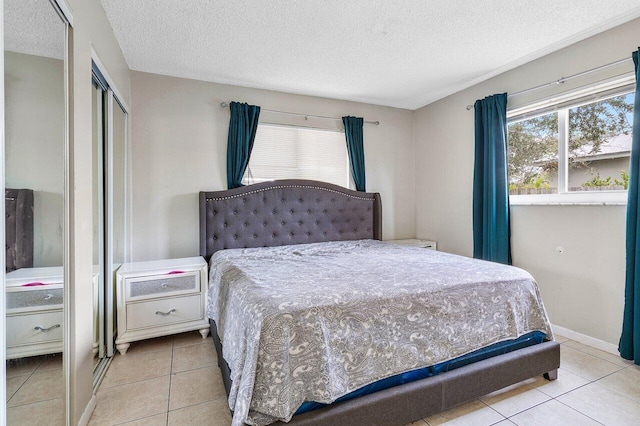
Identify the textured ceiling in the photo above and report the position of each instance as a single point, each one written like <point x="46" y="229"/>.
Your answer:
<point x="402" y="53"/>
<point x="33" y="27"/>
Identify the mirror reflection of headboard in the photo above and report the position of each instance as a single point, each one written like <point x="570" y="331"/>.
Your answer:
<point x="18" y="228"/>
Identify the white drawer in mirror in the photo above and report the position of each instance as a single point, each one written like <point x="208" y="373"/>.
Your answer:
<point x="34" y="328"/>
<point x="34" y="299"/>
<point x="34" y="289"/>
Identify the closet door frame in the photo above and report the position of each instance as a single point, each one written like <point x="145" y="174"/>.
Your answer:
<point x="100" y="104"/>
<point x="113" y="100"/>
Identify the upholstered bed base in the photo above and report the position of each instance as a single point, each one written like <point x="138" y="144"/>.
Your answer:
<point x="412" y="401"/>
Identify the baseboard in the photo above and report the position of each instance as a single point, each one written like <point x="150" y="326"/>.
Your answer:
<point x="587" y="340"/>
<point x="88" y="411"/>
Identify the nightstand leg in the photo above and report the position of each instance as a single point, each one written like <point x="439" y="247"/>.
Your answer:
<point x="204" y="332"/>
<point x="122" y="348"/>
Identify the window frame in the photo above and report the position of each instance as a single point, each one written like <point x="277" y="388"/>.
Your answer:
<point x="561" y="104"/>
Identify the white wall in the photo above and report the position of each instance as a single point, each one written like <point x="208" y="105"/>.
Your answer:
<point x="179" y="142"/>
<point x="34" y="145"/>
<point x="583" y="288"/>
<point x="91" y="29"/>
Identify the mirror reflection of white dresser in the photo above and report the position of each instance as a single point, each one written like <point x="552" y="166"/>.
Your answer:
<point x="34" y="299"/>
<point x="34" y="311"/>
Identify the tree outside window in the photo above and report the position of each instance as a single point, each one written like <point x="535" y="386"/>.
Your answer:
<point x="599" y="147"/>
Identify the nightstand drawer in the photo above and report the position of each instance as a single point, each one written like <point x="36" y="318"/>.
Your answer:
<point x="162" y="285"/>
<point x="164" y="311"/>
<point x="34" y="328"/>
<point x="34" y="299"/>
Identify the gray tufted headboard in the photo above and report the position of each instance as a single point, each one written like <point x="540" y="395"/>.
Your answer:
<point x="286" y="212"/>
<point x="18" y="204"/>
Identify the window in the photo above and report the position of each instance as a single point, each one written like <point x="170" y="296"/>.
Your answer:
<point x="283" y="152"/>
<point x="578" y="146"/>
<point x="533" y="155"/>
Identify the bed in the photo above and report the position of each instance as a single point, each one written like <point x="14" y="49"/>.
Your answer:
<point x="312" y="220"/>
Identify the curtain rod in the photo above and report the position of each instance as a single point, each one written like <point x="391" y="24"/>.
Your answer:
<point x="564" y="79"/>
<point x="306" y="116"/>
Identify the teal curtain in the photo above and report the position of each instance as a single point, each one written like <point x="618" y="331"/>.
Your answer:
<point x="491" y="233"/>
<point x="353" y="133"/>
<point x="629" y="346"/>
<point x="243" y="124"/>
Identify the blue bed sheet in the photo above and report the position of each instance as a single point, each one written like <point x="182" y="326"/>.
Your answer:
<point x="499" y="348"/>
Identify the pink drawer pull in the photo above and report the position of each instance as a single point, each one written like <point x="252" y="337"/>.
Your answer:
<point x="174" y="272"/>
<point x="33" y="284"/>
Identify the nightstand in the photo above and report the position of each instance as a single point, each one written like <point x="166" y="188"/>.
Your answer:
<point x="414" y="242"/>
<point x="34" y="311"/>
<point x="159" y="298"/>
<point x="35" y="314"/>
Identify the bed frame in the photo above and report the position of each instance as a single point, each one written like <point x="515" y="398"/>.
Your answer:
<point x="302" y="211"/>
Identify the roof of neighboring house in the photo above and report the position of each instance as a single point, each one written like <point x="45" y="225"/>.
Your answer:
<point x="616" y="147"/>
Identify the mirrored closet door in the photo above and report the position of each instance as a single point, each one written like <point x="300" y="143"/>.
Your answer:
<point x="35" y="40"/>
<point x="109" y="207"/>
<point x="99" y="339"/>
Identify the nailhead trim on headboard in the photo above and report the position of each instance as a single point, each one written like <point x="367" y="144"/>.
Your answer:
<point x="288" y="186"/>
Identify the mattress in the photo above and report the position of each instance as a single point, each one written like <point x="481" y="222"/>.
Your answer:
<point x="315" y="322"/>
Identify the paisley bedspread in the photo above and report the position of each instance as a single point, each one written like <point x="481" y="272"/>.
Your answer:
<point x="313" y="322"/>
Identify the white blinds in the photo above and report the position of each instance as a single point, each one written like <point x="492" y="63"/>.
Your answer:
<point x="281" y="152"/>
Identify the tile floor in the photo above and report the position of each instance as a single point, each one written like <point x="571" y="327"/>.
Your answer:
<point x="175" y="380"/>
<point x="35" y="388"/>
